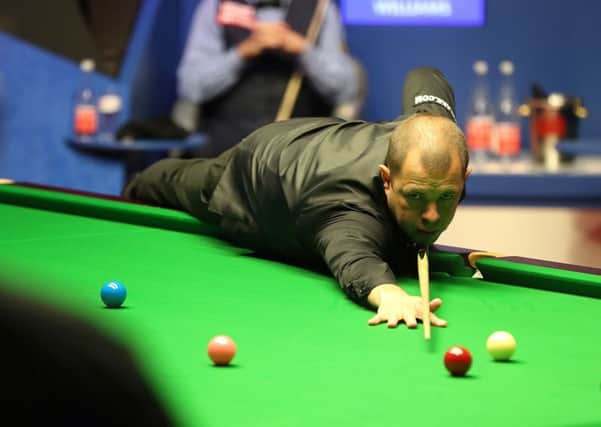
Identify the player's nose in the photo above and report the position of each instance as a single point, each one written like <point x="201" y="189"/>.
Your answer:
<point x="430" y="214"/>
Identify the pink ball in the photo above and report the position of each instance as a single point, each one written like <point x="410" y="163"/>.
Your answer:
<point x="221" y="350"/>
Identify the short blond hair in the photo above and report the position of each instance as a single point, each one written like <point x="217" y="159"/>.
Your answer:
<point x="429" y="132"/>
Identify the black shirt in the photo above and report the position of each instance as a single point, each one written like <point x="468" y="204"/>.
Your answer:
<point x="307" y="189"/>
<point x="310" y="188"/>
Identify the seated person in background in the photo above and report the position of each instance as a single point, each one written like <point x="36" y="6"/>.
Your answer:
<point x="58" y="370"/>
<point x="240" y="55"/>
<point x="359" y="197"/>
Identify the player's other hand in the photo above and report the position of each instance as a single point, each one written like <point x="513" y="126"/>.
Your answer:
<point x="394" y="305"/>
<point x="272" y="36"/>
<point x="264" y="35"/>
<point x="294" y="42"/>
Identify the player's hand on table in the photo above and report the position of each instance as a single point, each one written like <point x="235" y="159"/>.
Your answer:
<point x="395" y="305"/>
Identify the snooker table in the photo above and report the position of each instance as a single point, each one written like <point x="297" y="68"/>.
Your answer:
<point x="306" y="356"/>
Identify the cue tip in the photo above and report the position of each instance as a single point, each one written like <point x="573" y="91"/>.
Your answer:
<point x="427" y="333"/>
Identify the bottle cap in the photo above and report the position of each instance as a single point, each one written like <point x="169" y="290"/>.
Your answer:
<point x="480" y="67"/>
<point x="109" y="104"/>
<point x="506" y="68"/>
<point x="556" y="100"/>
<point x="87" y="65"/>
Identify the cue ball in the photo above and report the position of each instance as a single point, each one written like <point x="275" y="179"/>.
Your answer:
<point x="113" y="294"/>
<point x="458" y="360"/>
<point x="221" y="350"/>
<point x="501" y="345"/>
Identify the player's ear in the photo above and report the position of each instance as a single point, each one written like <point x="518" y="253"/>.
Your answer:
<point x="468" y="172"/>
<point x="385" y="175"/>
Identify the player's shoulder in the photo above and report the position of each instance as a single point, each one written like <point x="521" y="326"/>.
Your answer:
<point x="293" y="128"/>
<point x="309" y="122"/>
<point x="318" y="122"/>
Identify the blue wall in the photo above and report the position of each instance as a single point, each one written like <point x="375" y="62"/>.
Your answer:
<point x="36" y="102"/>
<point x="153" y="80"/>
<point x="552" y="42"/>
<point x="36" y="117"/>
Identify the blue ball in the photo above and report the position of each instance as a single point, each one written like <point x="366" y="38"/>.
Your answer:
<point x="113" y="294"/>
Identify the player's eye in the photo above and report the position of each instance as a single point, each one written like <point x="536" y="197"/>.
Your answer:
<point x="414" y="196"/>
<point x="448" y="196"/>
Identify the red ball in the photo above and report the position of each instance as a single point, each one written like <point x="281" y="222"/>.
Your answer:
<point x="457" y="360"/>
<point x="221" y="350"/>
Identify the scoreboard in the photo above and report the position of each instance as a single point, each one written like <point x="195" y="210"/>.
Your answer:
<point x="468" y="13"/>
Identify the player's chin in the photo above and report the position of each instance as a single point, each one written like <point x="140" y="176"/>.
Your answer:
<point x="425" y="238"/>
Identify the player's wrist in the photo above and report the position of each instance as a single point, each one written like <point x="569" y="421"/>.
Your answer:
<point x="381" y="291"/>
<point x="296" y="45"/>
<point x="248" y="49"/>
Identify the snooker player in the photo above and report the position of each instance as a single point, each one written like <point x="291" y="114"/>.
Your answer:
<point x="360" y="197"/>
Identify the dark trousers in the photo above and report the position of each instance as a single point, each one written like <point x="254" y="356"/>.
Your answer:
<point x="183" y="184"/>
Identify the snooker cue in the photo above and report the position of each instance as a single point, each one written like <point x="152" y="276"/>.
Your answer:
<point x="424" y="287"/>
<point x="6" y="181"/>
<point x="296" y="80"/>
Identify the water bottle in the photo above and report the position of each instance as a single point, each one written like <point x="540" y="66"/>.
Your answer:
<point x="507" y="139"/>
<point x="109" y="107"/>
<point x="85" y="113"/>
<point x="480" y="116"/>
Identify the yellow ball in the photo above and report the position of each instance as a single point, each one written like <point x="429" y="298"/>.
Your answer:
<point x="501" y="345"/>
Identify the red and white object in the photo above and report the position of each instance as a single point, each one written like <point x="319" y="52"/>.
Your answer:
<point x="236" y="14"/>
<point x="479" y="126"/>
<point x="85" y="113"/>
